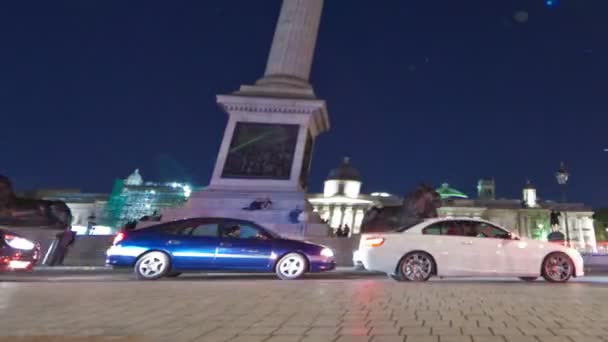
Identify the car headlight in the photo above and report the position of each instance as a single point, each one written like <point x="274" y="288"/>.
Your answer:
<point x="18" y="242"/>
<point x="327" y="252"/>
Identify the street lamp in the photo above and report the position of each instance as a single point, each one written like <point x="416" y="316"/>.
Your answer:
<point x="562" y="177"/>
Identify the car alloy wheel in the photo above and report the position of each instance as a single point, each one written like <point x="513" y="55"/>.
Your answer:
<point x="558" y="268"/>
<point x="417" y="266"/>
<point x="152" y="265"/>
<point x="291" y="266"/>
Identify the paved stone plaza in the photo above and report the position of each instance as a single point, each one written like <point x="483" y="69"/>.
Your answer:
<point x="264" y="309"/>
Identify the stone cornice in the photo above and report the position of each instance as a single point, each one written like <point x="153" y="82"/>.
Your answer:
<point x="231" y="103"/>
<point x="267" y="108"/>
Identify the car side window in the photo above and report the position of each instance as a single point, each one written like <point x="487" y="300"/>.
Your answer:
<point x="489" y="231"/>
<point x="453" y="228"/>
<point x="242" y="231"/>
<point x="434" y="229"/>
<point x="469" y="228"/>
<point x="205" y="230"/>
<point x="175" y="228"/>
<point x="250" y="232"/>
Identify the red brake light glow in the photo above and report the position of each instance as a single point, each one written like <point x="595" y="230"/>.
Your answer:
<point x="374" y="241"/>
<point x="119" y="237"/>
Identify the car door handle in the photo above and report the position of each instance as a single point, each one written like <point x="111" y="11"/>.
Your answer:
<point x="174" y="242"/>
<point x="224" y="244"/>
<point x="468" y="243"/>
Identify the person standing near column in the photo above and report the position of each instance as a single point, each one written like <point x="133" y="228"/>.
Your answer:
<point x="65" y="239"/>
<point x="302" y="219"/>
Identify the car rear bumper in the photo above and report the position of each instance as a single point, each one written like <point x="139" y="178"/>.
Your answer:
<point x="369" y="260"/>
<point x="12" y="259"/>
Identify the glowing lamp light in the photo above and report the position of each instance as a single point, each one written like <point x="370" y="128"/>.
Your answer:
<point x="119" y="237"/>
<point x="18" y="264"/>
<point x="187" y="191"/>
<point x="327" y="252"/>
<point x="18" y="242"/>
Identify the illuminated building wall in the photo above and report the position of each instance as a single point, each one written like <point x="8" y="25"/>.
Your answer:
<point x="341" y="204"/>
<point x="132" y="198"/>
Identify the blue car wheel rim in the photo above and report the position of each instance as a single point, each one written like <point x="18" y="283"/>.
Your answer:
<point x="292" y="265"/>
<point x="153" y="264"/>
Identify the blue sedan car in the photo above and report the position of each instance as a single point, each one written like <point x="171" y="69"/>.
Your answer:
<point x="215" y="244"/>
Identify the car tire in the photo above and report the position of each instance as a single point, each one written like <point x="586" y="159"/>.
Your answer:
<point x="528" y="279"/>
<point x="416" y="267"/>
<point x="557" y="268"/>
<point x="291" y="266"/>
<point x="152" y="266"/>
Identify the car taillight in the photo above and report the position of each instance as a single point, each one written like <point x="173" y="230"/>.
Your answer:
<point x="374" y="241"/>
<point x="119" y="237"/>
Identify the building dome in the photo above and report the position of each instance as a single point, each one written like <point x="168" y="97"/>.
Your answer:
<point x="446" y="192"/>
<point x="134" y="178"/>
<point x="345" y="172"/>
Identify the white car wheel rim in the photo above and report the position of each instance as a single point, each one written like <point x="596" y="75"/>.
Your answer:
<point x="152" y="265"/>
<point x="558" y="268"/>
<point x="417" y="267"/>
<point x="292" y="266"/>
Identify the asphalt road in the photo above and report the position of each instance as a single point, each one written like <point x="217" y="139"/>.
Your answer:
<point x="330" y="307"/>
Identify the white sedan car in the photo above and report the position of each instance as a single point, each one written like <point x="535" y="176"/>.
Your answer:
<point x="464" y="247"/>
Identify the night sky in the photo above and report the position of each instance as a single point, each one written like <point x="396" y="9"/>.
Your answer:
<point x="417" y="90"/>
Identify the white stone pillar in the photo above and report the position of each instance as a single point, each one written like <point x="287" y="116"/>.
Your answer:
<point x="358" y="219"/>
<point x="589" y="224"/>
<point x="581" y="236"/>
<point x="293" y="46"/>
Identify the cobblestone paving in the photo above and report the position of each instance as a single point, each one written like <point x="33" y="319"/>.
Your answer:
<point x="370" y="310"/>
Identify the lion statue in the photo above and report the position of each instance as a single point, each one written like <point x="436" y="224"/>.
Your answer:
<point x="15" y="211"/>
<point x="418" y="205"/>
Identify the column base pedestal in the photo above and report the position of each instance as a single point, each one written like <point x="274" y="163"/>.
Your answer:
<point x="229" y="203"/>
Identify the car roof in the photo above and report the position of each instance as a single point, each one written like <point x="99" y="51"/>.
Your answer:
<point x="455" y="218"/>
<point x="153" y="224"/>
<point x="465" y="218"/>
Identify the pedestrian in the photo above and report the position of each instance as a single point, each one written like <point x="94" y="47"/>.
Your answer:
<point x="339" y="232"/>
<point x="64" y="239"/>
<point x="302" y="220"/>
<point x="346" y="231"/>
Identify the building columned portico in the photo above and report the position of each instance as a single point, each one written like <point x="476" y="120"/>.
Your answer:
<point x="341" y="204"/>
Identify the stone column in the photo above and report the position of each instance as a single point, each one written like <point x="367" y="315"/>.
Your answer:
<point x="581" y="236"/>
<point x="293" y="46"/>
<point x="592" y="241"/>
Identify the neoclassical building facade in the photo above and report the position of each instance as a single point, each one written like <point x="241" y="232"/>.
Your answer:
<point x="528" y="216"/>
<point x="341" y="204"/>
